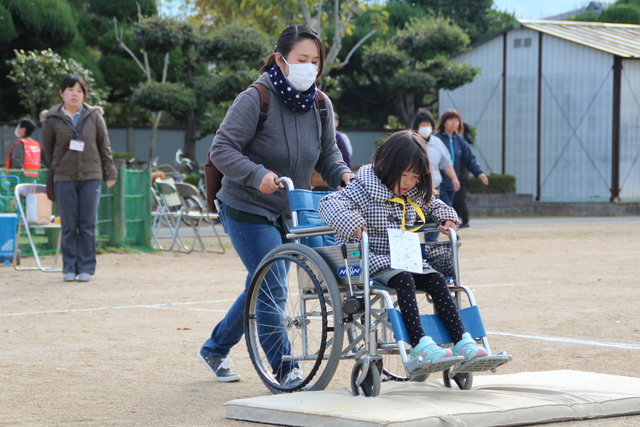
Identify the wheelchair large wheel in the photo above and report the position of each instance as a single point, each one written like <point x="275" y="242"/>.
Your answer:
<point x="293" y="320"/>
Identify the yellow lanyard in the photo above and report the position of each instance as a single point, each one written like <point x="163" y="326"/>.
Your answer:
<point x="404" y="211"/>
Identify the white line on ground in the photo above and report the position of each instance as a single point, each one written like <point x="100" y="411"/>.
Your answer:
<point x="166" y="305"/>
<point x="175" y="304"/>
<point x="504" y="284"/>
<point x="571" y="340"/>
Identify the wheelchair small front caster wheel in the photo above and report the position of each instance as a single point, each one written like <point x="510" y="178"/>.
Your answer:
<point x="370" y="385"/>
<point x="463" y="381"/>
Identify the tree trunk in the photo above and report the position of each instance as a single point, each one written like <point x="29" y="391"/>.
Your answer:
<point x="407" y="109"/>
<point x="156" y="117"/>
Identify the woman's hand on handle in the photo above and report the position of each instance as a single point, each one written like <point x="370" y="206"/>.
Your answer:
<point x="346" y="178"/>
<point x="444" y="228"/>
<point x="268" y="184"/>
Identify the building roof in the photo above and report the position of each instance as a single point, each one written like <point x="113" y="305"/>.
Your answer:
<point x="594" y="7"/>
<point x="618" y="39"/>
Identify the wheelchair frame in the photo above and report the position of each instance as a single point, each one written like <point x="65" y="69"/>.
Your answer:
<point x="299" y="327"/>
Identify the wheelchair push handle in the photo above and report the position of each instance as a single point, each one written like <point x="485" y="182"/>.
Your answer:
<point x="288" y="182"/>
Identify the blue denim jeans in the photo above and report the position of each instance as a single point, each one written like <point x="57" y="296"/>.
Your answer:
<point x="252" y="242"/>
<point x="447" y="196"/>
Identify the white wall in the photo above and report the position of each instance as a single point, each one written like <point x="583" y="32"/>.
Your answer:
<point x="480" y="103"/>
<point x="521" y="108"/>
<point x="630" y="130"/>
<point x="577" y="98"/>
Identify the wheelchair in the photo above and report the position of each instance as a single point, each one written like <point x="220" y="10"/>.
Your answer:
<point x="311" y="304"/>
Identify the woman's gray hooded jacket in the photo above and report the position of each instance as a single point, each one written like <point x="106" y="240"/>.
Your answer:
<point x="290" y="144"/>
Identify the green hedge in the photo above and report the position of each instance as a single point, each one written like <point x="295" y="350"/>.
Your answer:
<point x="498" y="184"/>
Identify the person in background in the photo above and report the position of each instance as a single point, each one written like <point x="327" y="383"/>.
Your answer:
<point x="75" y="142"/>
<point x="25" y="152"/>
<point x="460" y="200"/>
<point x="449" y="130"/>
<point x="439" y="155"/>
<point x="254" y="207"/>
<point x="345" y="139"/>
<point x="439" y="159"/>
<point x="317" y="184"/>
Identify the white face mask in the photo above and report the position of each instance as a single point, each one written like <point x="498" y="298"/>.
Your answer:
<point x="302" y="76"/>
<point x="425" y="131"/>
<point x="17" y="134"/>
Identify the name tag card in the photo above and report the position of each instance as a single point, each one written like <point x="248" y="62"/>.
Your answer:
<point x="405" y="250"/>
<point x="76" y="145"/>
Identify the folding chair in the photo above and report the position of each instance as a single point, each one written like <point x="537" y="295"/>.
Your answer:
<point x="171" y="214"/>
<point x="195" y="210"/>
<point x="21" y="193"/>
<point x="167" y="214"/>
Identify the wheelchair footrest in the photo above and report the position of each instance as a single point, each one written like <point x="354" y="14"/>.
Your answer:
<point x="423" y="367"/>
<point x="481" y="364"/>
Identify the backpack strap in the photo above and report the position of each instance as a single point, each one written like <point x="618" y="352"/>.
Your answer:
<point x="264" y="103"/>
<point x="263" y="91"/>
<point x="321" y="105"/>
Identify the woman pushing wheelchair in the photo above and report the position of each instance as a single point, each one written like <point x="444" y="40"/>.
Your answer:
<point x="252" y="151"/>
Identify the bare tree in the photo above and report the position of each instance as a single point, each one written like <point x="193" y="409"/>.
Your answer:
<point x="143" y="64"/>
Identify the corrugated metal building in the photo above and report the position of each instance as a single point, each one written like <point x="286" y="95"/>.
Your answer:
<point x="557" y="105"/>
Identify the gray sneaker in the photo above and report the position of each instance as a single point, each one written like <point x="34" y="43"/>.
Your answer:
<point x="84" y="277"/>
<point x="293" y="378"/>
<point x="69" y="277"/>
<point x="220" y="367"/>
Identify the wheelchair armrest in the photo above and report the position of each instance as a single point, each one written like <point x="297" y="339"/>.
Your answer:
<point x="309" y="231"/>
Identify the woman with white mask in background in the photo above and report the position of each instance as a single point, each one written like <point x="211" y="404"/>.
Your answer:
<point x="439" y="155"/>
<point x="439" y="158"/>
<point x="293" y="140"/>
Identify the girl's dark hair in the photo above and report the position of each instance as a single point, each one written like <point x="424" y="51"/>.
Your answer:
<point x="70" y="80"/>
<point x="423" y="115"/>
<point x="403" y="151"/>
<point x="286" y="42"/>
<point x="449" y="114"/>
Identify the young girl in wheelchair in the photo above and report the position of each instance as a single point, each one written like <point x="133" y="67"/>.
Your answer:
<point x="395" y="192"/>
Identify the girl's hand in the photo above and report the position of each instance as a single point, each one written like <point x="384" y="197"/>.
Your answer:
<point x="268" y="184"/>
<point x="444" y="229"/>
<point x="110" y="183"/>
<point x="359" y="231"/>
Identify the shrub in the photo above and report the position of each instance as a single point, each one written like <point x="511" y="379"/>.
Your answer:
<point x="175" y="98"/>
<point x="124" y="155"/>
<point x="498" y="184"/>
<point x="193" y="179"/>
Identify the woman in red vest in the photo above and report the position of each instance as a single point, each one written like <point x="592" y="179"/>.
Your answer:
<point x="25" y="152"/>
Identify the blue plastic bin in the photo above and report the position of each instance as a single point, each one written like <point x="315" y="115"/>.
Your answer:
<point x="8" y="227"/>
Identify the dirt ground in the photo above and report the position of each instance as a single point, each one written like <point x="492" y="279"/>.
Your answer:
<point x="121" y="350"/>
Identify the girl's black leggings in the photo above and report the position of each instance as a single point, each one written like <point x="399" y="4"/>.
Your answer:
<point x="406" y="283"/>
